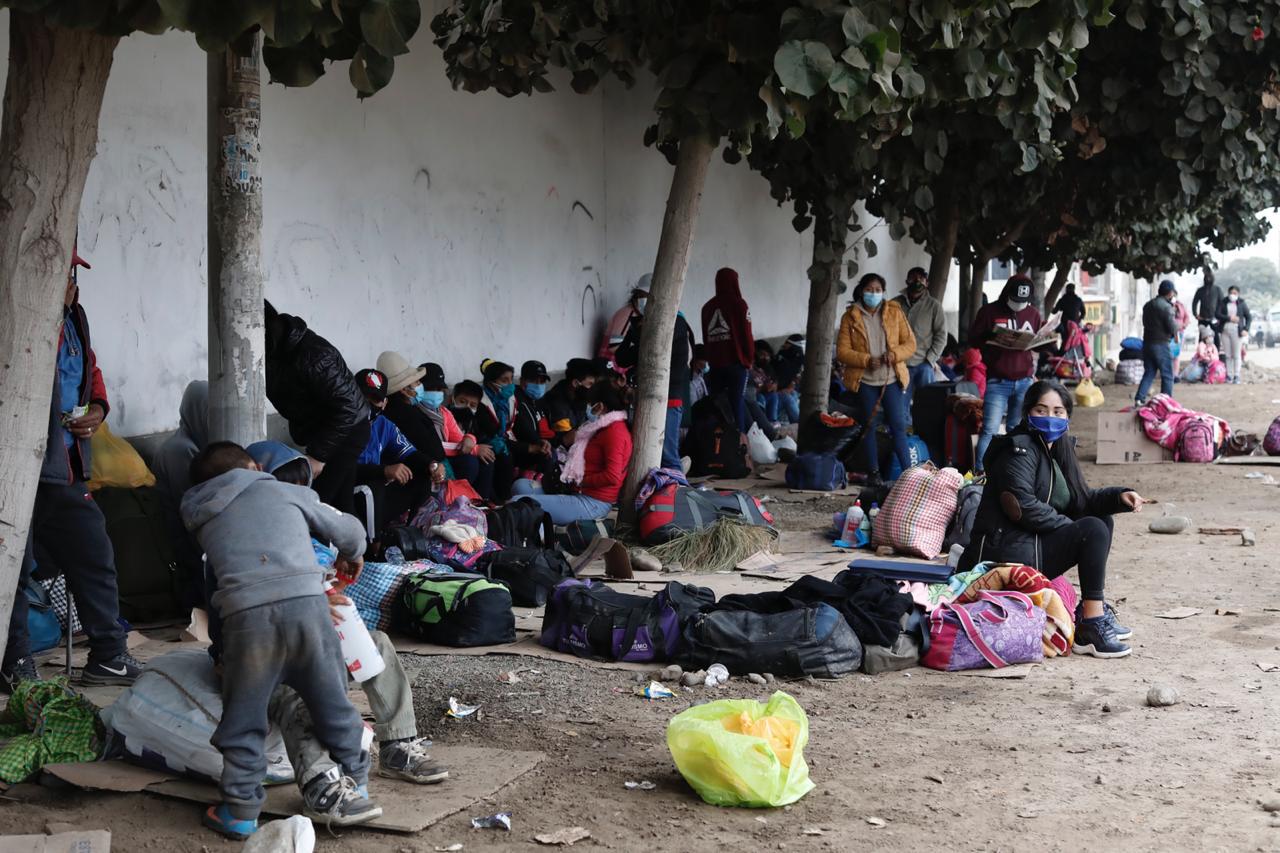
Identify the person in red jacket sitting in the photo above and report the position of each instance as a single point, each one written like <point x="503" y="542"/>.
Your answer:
<point x="728" y="342"/>
<point x="597" y="463"/>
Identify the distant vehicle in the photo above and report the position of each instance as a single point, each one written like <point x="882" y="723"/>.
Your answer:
<point x="1272" y="336"/>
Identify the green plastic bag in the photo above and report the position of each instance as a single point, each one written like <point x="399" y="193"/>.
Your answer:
<point x="761" y="769"/>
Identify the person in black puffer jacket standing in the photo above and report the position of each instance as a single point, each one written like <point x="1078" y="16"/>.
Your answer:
<point x="312" y="388"/>
<point x="1038" y="511"/>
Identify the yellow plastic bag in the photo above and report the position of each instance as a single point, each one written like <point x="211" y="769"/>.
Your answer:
<point x="113" y="463"/>
<point x="1089" y="395"/>
<point x="737" y="752"/>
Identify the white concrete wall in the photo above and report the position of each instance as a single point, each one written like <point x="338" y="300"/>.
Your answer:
<point x="431" y="221"/>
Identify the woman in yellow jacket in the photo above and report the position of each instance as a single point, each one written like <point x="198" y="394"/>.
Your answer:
<point x="874" y="344"/>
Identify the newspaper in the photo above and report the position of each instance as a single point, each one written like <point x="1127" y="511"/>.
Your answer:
<point x="1047" y="333"/>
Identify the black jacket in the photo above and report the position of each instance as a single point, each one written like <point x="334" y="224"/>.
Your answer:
<point x="1159" y="322"/>
<point x="1015" y="510"/>
<point x="1072" y="308"/>
<point x="416" y="426"/>
<point x="627" y="355"/>
<point x="562" y="409"/>
<point x="788" y="364"/>
<point x="1205" y="302"/>
<point x="1242" y="311"/>
<point x="312" y="388"/>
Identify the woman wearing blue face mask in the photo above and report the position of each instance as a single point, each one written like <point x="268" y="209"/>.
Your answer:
<point x="1037" y="510"/>
<point x="470" y="459"/>
<point x="873" y="345"/>
<point x="500" y="399"/>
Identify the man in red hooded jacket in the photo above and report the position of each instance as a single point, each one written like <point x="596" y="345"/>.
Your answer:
<point x="728" y="342"/>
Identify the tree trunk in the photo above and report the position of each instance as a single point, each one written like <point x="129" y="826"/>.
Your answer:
<point x="943" y="255"/>
<point x="971" y="300"/>
<point x="49" y="132"/>
<point x="1061" y="273"/>
<point x="966" y="282"/>
<point x="1036" y="274"/>
<point x="665" y="292"/>
<point x="237" y="346"/>
<point x="830" y="239"/>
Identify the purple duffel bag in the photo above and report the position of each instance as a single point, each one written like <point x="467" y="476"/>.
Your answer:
<point x="589" y="619"/>
<point x="1002" y="627"/>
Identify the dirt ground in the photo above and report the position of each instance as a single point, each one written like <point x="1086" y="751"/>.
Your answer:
<point x="1068" y="758"/>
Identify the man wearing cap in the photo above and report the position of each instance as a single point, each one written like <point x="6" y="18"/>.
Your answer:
<point x="928" y="324"/>
<point x="312" y="388"/>
<point x="531" y="448"/>
<point x="404" y="396"/>
<point x="66" y="525"/>
<point x="1159" y="328"/>
<point x="1009" y="371"/>
<point x="398" y="475"/>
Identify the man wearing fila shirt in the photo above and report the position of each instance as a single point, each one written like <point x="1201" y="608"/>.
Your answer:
<point x="728" y="342"/>
<point x="1009" y="372"/>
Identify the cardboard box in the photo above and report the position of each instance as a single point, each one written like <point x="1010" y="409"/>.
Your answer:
<point x="78" y="841"/>
<point x="1121" y="441"/>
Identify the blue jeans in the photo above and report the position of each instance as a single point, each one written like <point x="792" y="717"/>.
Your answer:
<point x="779" y="403"/>
<point x="733" y="380"/>
<point x="893" y="409"/>
<point x="671" y="438"/>
<point x="1156" y="358"/>
<point x="921" y="374"/>
<point x="1004" y="397"/>
<point x="563" y="509"/>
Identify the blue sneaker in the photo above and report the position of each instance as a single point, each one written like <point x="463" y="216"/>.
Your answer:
<point x="220" y="820"/>
<point x="1122" y="632"/>
<point x="1097" y="637"/>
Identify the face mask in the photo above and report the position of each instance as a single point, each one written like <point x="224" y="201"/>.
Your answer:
<point x="706" y="368"/>
<point x="506" y="391"/>
<point x="433" y="399"/>
<point x="1015" y="306"/>
<point x="872" y="300"/>
<point x="592" y="415"/>
<point x="640" y="303"/>
<point x="1233" y="297"/>
<point x="1051" y="429"/>
<point x="535" y="392"/>
<point x="420" y="396"/>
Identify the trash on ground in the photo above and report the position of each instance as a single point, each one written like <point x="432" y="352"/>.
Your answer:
<point x="501" y="820"/>
<point x="294" y="835"/>
<point x="934" y="777"/>
<point x="565" y="837"/>
<point x="511" y="677"/>
<point x="1225" y="611"/>
<point x="654" y="690"/>
<point x="1221" y="531"/>
<point x="716" y="674"/>
<point x="457" y="710"/>
<point x="813" y="831"/>
<point x="1162" y="696"/>
<point x="877" y="822"/>
<point x="740" y="752"/>
<point x="1178" y="613"/>
<point x="1247" y="538"/>
<point x="1268" y="666"/>
<point x="450" y="848"/>
<point x="643" y="786"/>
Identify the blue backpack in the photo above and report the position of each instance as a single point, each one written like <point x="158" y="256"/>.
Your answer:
<point x="918" y="451"/>
<point x="43" y="626"/>
<point x="816" y="472"/>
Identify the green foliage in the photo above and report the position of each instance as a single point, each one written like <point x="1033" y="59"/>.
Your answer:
<point x="1257" y="278"/>
<point x="300" y="36"/>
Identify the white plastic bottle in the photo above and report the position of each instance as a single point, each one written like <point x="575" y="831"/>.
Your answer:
<point x="852" y="522"/>
<point x="358" y="649"/>
<point x="871" y="518"/>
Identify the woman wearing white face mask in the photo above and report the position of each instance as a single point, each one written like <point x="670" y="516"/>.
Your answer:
<point x="874" y="344"/>
<point x="1234" y="317"/>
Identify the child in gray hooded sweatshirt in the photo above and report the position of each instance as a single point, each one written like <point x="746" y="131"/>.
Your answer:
<point x="276" y="628"/>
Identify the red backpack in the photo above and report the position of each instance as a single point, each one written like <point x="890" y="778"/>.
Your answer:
<point x="1196" y="441"/>
<point x="674" y="510"/>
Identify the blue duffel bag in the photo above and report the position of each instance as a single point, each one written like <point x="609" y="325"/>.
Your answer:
<point x="816" y="472"/>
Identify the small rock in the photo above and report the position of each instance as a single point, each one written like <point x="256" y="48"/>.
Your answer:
<point x="671" y="673"/>
<point x="1162" y="696"/>
<point x="877" y="822"/>
<point x="674" y="568"/>
<point x="768" y="678"/>
<point x="756" y="678"/>
<point x="641" y="677"/>
<point x="1099" y="780"/>
<point x="1169" y="524"/>
<point x="1247" y="538"/>
<point x="1271" y="804"/>
<point x="1106" y="708"/>
<point x="693" y="679"/>
<point x="643" y="561"/>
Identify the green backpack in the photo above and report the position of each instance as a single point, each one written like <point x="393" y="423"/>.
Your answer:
<point x="456" y="609"/>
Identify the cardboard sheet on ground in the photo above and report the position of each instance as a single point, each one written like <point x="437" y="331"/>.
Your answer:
<point x="1247" y="460"/>
<point x="75" y="841"/>
<point x="526" y="646"/>
<point x="474" y="773"/>
<point x="1121" y="441"/>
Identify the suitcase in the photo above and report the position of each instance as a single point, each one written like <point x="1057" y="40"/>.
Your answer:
<point x="929" y="412"/>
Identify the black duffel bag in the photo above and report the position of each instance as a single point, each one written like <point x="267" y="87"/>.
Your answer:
<point x="522" y="523"/>
<point x="530" y="573"/>
<point x="812" y="640"/>
<point x="411" y="541"/>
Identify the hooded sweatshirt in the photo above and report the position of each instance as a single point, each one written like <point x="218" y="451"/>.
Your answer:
<point x="172" y="462"/>
<point x="726" y="325"/>
<point x="256" y="534"/>
<point x="1004" y="363"/>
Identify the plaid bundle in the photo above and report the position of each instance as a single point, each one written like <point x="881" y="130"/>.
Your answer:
<point x="918" y="510"/>
<point x="61" y="602"/>
<point x="47" y="722"/>
<point x="375" y="591"/>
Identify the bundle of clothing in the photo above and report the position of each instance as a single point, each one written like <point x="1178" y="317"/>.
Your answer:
<point x="1192" y="436"/>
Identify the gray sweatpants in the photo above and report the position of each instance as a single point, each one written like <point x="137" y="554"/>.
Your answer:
<point x="288" y="642"/>
<point x="390" y="699"/>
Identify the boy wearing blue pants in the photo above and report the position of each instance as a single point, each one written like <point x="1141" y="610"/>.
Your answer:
<point x="276" y="629"/>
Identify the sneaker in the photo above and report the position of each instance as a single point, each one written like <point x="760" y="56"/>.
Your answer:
<point x="220" y="820"/>
<point x="123" y="669"/>
<point x="1122" y="632"/>
<point x="1097" y="637"/>
<point x="23" y="669"/>
<point x="408" y="760"/>
<point x="336" y="800"/>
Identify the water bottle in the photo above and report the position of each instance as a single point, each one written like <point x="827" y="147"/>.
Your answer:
<point x="358" y="650"/>
<point x="394" y="556"/>
<point x="865" y="527"/>
<point x="852" y="522"/>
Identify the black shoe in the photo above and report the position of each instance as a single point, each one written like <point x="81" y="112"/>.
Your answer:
<point x="23" y="669"/>
<point x="408" y="760"/>
<point x="1097" y="637"/>
<point x="122" y="669"/>
<point x="1122" y="632"/>
<point x="336" y="800"/>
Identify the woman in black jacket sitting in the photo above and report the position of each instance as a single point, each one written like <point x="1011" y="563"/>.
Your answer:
<point x="1037" y="510"/>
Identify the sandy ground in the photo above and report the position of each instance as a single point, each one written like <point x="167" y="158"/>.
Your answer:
<point x="1068" y="758"/>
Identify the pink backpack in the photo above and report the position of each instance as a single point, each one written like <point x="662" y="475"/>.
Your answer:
<point x="1216" y="373"/>
<point x="1195" y="441"/>
<point x="1271" y="443"/>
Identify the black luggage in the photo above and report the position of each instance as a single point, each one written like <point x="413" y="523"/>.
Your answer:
<point x="589" y="619"/>
<point x="530" y="573"/>
<point x="813" y="640"/>
<point x="577" y="536"/>
<point x="411" y="541"/>
<point x="146" y="571"/>
<point x="522" y="523"/>
<point x="456" y="609"/>
<point x="714" y="445"/>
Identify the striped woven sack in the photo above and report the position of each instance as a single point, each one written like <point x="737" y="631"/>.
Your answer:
<point x="918" y="510"/>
